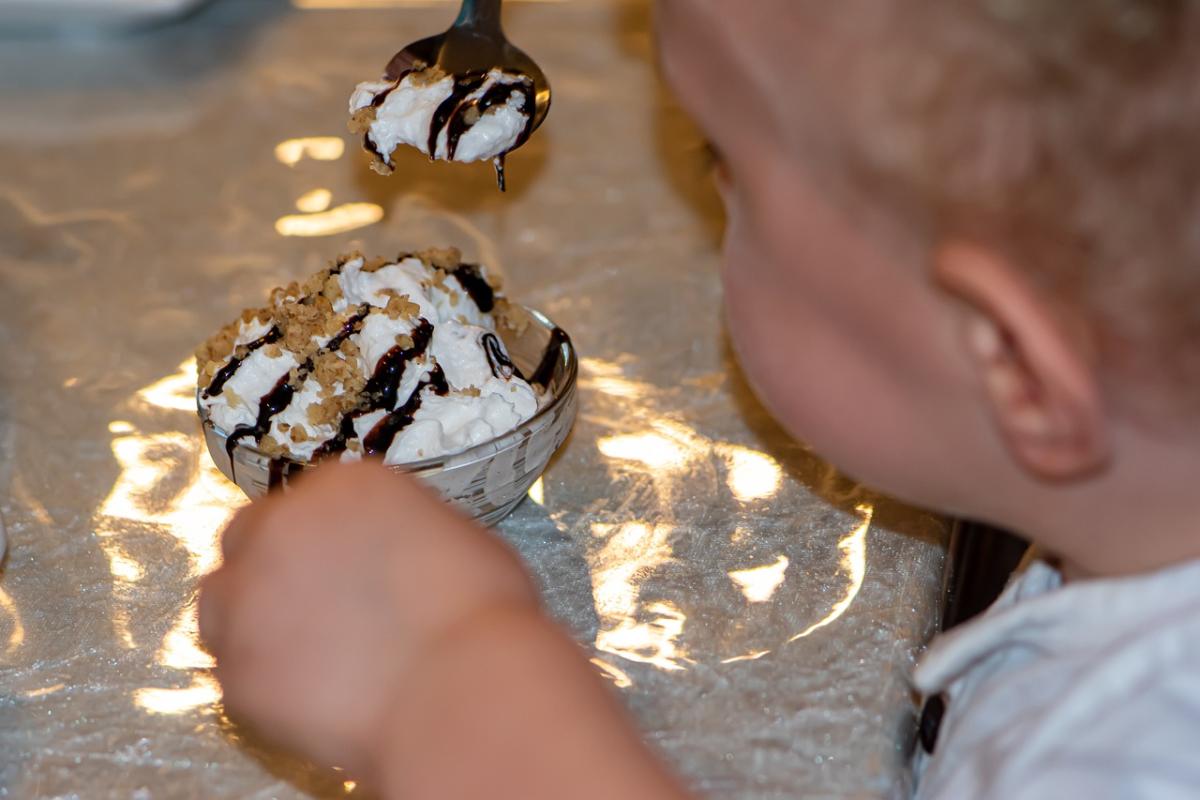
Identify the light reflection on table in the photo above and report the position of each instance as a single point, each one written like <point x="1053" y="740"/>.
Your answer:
<point x="195" y="516"/>
<point x="632" y="627"/>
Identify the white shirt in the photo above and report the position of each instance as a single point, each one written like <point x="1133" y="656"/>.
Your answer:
<point x="1088" y="690"/>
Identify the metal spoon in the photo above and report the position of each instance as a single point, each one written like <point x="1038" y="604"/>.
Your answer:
<point x="475" y="43"/>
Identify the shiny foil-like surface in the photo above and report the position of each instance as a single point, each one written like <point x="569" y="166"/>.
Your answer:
<point x="758" y="612"/>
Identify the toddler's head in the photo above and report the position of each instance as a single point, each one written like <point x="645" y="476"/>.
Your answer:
<point x="963" y="250"/>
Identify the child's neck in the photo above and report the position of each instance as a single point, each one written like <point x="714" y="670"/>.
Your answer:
<point x="1144" y="517"/>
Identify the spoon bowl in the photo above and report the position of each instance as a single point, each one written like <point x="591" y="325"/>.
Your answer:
<point x="475" y="43"/>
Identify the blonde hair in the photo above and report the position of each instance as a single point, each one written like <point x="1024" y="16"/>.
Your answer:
<point x="1065" y="133"/>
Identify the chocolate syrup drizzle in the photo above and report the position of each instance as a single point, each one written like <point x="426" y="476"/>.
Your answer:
<point x="337" y="443"/>
<point x="474" y="284"/>
<point x="385" y="382"/>
<point x="453" y="115"/>
<point x="545" y="369"/>
<point x="277" y="471"/>
<point x="369" y="146"/>
<point x="495" y="96"/>
<point x="380" y="438"/>
<point x="226" y="372"/>
<point x="350" y="328"/>
<point x="280" y="396"/>
<point x="377" y="101"/>
<point x="449" y="116"/>
<point x="502" y="366"/>
<point x="498" y="95"/>
<point x="382" y="389"/>
<point x="381" y="393"/>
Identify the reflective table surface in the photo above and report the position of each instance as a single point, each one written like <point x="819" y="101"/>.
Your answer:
<point x="758" y="612"/>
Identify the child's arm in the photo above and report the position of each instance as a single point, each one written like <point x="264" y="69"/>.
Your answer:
<point x="511" y="709"/>
<point x="361" y="621"/>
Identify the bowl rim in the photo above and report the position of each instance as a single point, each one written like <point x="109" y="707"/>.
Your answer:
<point x="493" y="446"/>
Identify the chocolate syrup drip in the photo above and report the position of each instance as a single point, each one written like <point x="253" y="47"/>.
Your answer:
<point x="385" y="382"/>
<point x="526" y="89"/>
<point x="472" y="280"/>
<point x="379" y="440"/>
<point x="498" y="95"/>
<point x="226" y="372"/>
<point x="450" y="107"/>
<point x="498" y="163"/>
<point x="545" y="370"/>
<point x="382" y="389"/>
<point x="502" y="366"/>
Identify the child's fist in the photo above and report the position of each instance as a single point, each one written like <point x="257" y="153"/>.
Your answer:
<point x="330" y="593"/>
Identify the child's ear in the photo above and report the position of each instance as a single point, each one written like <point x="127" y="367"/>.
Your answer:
<point x="1033" y="366"/>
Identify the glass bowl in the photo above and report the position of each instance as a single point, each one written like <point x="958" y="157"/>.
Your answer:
<point x="487" y="480"/>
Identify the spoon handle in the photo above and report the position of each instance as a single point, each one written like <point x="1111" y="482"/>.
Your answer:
<point x="482" y="15"/>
